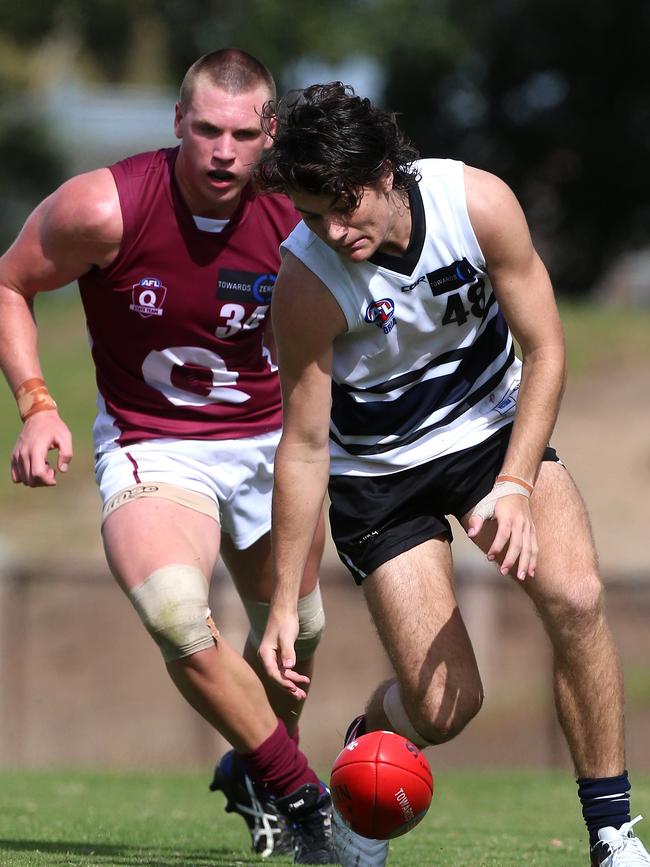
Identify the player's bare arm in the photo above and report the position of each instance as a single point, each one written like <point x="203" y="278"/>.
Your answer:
<point x="306" y="319"/>
<point x="523" y="289"/>
<point x="78" y="226"/>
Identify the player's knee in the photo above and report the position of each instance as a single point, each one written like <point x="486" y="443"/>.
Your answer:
<point x="588" y="601"/>
<point x="435" y="720"/>
<point x="173" y="605"/>
<point x="578" y="602"/>
<point x="311" y="619"/>
<point x="442" y="721"/>
<point x="427" y="724"/>
<point x="311" y="624"/>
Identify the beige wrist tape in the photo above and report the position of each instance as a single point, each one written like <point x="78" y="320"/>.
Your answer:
<point x="504" y="486"/>
<point x="32" y="396"/>
<point x="516" y="480"/>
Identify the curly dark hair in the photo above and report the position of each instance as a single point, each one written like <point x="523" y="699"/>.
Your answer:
<point x="330" y="141"/>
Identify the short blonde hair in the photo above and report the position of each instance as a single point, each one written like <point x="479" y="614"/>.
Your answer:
<point x="230" y="69"/>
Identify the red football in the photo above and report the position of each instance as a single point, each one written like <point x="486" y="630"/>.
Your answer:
<point x="381" y="785"/>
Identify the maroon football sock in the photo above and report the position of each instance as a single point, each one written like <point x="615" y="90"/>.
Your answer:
<point x="278" y="764"/>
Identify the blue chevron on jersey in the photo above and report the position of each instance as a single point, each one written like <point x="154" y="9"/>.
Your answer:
<point x="430" y="402"/>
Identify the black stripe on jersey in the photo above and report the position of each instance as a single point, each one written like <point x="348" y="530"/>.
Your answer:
<point x="399" y="442"/>
<point x="406" y="263"/>
<point x="397" y="417"/>
<point x="414" y="375"/>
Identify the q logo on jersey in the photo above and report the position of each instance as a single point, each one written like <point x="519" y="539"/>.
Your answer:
<point x="382" y="313"/>
<point x="148" y="296"/>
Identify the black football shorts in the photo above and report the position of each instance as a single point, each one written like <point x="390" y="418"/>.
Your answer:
<point x="375" y="518"/>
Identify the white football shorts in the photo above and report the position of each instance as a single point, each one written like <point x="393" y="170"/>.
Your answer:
<point x="236" y="474"/>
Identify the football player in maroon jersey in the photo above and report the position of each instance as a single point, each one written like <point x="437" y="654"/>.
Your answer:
<point x="176" y="257"/>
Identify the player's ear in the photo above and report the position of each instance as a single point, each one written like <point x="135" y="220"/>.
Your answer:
<point x="387" y="178"/>
<point x="178" y="117"/>
<point x="270" y="126"/>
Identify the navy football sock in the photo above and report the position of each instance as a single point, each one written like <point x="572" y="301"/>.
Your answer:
<point x="605" y="802"/>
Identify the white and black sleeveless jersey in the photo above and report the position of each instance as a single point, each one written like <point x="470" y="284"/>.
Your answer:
<point x="427" y="366"/>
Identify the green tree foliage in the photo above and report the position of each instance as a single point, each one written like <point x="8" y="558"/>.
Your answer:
<point x="550" y="94"/>
<point x="30" y="166"/>
<point x="553" y="95"/>
<point x="29" y="169"/>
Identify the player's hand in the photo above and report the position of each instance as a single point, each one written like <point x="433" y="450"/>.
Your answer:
<point x="277" y="652"/>
<point x="515" y="541"/>
<point x="41" y="433"/>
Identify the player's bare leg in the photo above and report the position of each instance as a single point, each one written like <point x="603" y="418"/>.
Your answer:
<point x="287" y="708"/>
<point x="251" y="570"/>
<point x="412" y="602"/>
<point x="220" y="684"/>
<point x="567" y="592"/>
<point x="147" y="534"/>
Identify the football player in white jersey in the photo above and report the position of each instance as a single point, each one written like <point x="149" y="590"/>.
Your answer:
<point x="394" y="314"/>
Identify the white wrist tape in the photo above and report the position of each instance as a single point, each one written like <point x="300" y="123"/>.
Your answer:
<point x="485" y="507"/>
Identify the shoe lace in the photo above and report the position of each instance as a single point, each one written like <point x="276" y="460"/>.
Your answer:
<point x="266" y="824"/>
<point x="633" y="849"/>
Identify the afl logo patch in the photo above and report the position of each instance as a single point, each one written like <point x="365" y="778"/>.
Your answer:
<point x="148" y="297"/>
<point x="382" y="314"/>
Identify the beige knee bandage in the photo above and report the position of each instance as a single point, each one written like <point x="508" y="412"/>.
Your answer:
<point x="173" y="605"/>
<point x="399" y="719"/>
<point x="311" y="616"/>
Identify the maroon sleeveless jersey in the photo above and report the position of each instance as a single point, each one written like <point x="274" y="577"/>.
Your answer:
<point x="176" y="321"/>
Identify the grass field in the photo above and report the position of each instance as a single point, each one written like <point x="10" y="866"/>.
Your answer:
<point x="478" y="819"/>
<point x="168" y="820"/>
